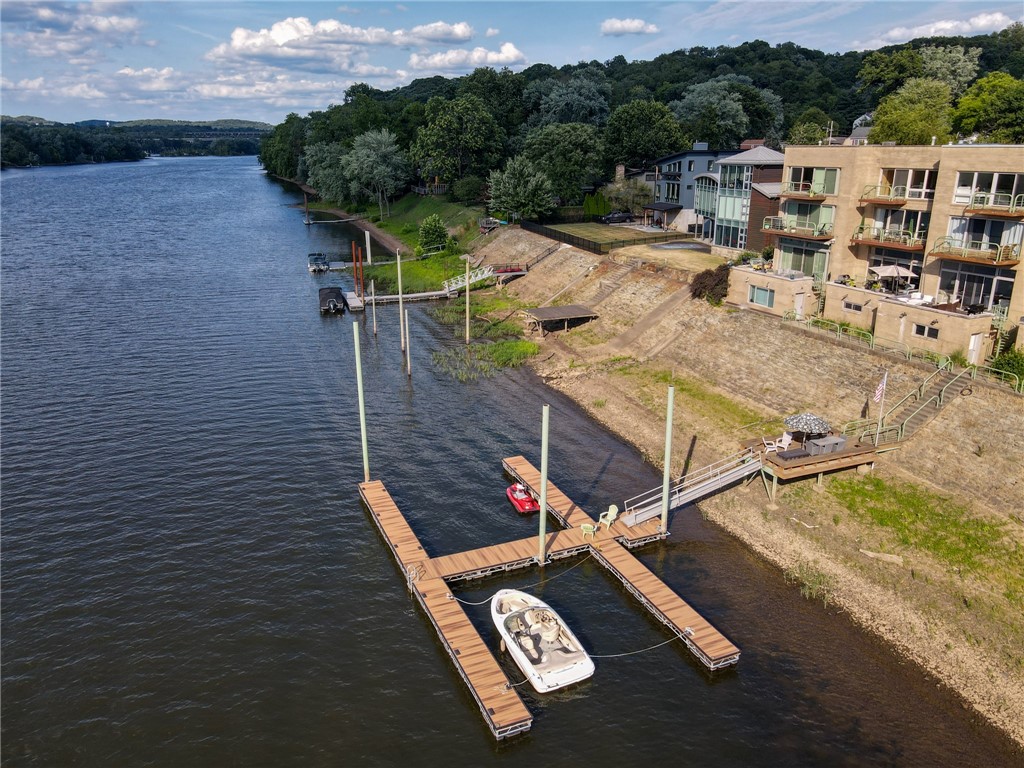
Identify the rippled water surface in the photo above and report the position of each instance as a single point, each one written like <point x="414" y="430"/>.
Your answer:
<point x="189" y="578"/>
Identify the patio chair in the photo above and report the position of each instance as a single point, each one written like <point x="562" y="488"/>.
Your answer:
<point x="607" y="518"/>
<point x="774" y="446"/>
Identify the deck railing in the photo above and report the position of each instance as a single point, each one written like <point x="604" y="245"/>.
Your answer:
<point x="800" y="227"/>
<point x="884" y="192"/>
<point x="997" y="202"/>
<point x="803" y="188"/>
<point x="895" y="236"/>
<point x="976" y="249"/>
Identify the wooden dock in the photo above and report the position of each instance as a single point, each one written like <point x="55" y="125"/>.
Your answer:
<point x="428" y="578"/>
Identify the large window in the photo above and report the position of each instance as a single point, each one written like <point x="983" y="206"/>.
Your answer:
<point x="885" y="257"/>
<point x="795" y="255"/>
<point x="991" y="188"/>
<point x="818" y="218"/>
<point x="913" y="224"/>
<point x="819" y="180"/>
<point x="975" y="285"/>
<point x="764" y="297"/>
<point x="913" y="183"/>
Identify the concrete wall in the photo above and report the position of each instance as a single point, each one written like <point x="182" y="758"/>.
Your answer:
<point x="791" y="294"/>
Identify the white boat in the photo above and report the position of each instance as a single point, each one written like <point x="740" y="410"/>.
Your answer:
<point x="539" y="641"/>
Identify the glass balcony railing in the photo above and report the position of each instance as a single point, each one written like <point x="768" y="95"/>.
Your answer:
<point x="976" y="250"/>
<point x="903" y="238"/>
<point x="798" y="227"/>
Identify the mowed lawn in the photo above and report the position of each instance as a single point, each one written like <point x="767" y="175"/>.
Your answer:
<point x="605" y="233"/>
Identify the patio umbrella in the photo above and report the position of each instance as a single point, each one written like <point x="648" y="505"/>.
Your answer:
<point x="807" y="423"/>
<point x="892" y="270"/>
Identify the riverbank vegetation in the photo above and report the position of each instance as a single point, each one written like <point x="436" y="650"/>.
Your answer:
<point x="32" y="141"/>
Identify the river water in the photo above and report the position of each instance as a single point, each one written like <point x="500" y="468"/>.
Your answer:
<point x="189" y="578"/>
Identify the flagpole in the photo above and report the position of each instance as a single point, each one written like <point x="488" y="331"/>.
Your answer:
<point x="881" y="406"/>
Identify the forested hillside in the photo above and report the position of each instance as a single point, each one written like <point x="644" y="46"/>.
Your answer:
<point x="567" y="127"/>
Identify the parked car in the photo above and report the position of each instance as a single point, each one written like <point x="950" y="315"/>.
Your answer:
<point x="617" y="217"/>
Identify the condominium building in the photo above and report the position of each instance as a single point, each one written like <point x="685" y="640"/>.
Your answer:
<point x="676" y="176"/>
<point x="919" y="245"/>
<point x="748" y="190"/>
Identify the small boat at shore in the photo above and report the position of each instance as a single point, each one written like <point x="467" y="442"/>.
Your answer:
<point x="318" y="263"/>
<point x="332" y="301"/>
<point x="521" y="499"/>
<point x="539" y="642"/>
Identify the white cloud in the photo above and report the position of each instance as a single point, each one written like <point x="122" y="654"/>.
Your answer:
<point x="615" y="27"/>
<point x="492" y="32"/>
<point x="328" y="46"/>
<point x="981" y="24"/>
<point x="152" y="79"/>
<point x="459" y="59"/>
<point x="76" y="33"/>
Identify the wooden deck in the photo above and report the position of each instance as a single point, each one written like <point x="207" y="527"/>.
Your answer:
<point x="791" y="469"/>
<point x="570" y="515"/>
<point x="427" y="577"/>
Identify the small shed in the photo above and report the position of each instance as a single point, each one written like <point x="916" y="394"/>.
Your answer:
<point x="542" y="318"/>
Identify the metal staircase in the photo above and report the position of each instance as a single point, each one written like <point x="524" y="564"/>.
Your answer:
<point x="913" y="411"/>
<point x="696" y="485"/>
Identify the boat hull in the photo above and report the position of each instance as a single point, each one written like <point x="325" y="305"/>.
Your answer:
<point x="520" y="498"/>
<point x="540" y="643"/>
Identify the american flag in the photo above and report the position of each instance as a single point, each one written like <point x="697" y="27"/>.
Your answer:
<point x="880" y="389"/>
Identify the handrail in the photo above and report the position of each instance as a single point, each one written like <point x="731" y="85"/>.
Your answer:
<point x="942" y="392"/>
<point x="994" y="373"/>
<point x="481" y="273"/>
<point x="713" y="471"/>
<point x="884" y="192"/>
<point x="984" y="200"/>
<point x="803" y="187"/>
<point x="853" y="332"/>
<point x="884" y="235"/>
<point x="797" y="226"/>
<point x="921" y="389"/>
<point x="997" y="252"/>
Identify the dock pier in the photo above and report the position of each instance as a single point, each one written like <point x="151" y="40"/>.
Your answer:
<point x="428" y="578"/>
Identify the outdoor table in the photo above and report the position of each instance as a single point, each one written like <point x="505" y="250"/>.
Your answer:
<point x="830" y="444"/>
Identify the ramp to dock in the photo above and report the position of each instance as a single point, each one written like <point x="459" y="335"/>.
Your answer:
<point x="696" y="485"/>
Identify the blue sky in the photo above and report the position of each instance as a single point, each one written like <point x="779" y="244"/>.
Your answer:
<point x="261" y="59"/>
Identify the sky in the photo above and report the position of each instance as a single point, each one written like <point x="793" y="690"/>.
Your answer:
<point x="263" y="59"/>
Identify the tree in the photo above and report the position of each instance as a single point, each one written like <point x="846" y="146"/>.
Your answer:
<point x="433" y="233"/>
<point x="725" y="110"/>
<point x="951" y="64"/>
<point x="914" y="114"/>
<point x="575" y="101"/>
<point x="281" y="150"/>
<point x="627" y="194"/>
<point x="459" y="138"/>
<point x="521" y="190"/>
<point x="569" y="153"/>
<point x="501" y="92"/>
<point x="883" y="73"/>
<point x="810" y="128"/>
<point x="992" y="108"/>
<point x="640" y="132"/>
<point x="326" y="170"/>
<point x="376" y="166"/>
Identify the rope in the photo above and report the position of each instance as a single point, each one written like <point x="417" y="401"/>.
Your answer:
<point x="509" y="686"/>
<point x="542" y="581"/>
<point x="631" y="653"/>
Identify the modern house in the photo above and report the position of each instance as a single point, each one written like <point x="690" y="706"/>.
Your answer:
<point x="676" y="179"/>
<point x="748" y="191"/>
<point x="919" y="245"/>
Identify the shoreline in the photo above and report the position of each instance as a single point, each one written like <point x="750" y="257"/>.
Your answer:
<point x="931" y="643"/>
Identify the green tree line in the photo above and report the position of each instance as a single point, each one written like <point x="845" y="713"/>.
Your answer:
<point x="525" y="140"/>
<point x="26" y="144"/>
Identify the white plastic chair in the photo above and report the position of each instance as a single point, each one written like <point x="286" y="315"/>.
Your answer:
<point x="774" y="446"/>
<point x="607" y="518"/>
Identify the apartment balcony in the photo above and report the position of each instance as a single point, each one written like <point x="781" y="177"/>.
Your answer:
<point x="995" y="204"/>
<point x="882" y="194"/>
<point x="897" y="239"/>
<point x="794" y="227"/>
<point x="802" y="190"/>
<point x="976" y="251"/>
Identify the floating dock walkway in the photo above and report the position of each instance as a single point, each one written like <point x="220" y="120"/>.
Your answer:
<point x="428" y="577"/>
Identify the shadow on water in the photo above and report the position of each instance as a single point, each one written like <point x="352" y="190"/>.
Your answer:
<point x="190" y="578"/>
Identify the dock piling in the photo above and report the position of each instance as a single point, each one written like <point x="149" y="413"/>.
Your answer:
<point x="667" y="479"/>
<point x="543" y="514"/>
<point x="362" y="403"/>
